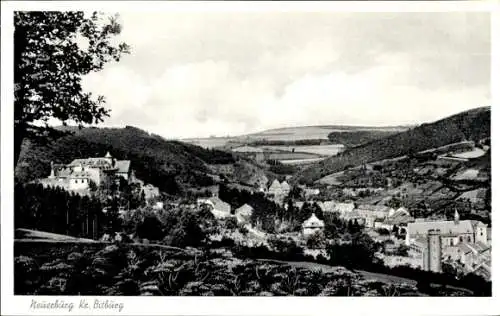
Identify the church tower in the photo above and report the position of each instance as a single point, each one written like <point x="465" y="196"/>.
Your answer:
<point x="456" y="218"/>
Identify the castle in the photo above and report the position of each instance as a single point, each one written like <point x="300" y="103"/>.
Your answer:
<point x="80" y="174"/>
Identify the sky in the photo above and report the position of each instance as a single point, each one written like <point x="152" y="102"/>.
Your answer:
<point x="204" y="74"/>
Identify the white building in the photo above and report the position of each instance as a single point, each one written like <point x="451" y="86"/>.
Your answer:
<point x="327" y="206"/>
<point x="150" y="192"/>
<point x="275" y="188"/>
<point x="312" y="225"/>
<point x="219" y="208"/>
<point x="244" y="213"/>
<point x="344" y="208"/>
<point x="452" y="232"/>
<point x="285" y="188"/>
<point x="80" y="173"/>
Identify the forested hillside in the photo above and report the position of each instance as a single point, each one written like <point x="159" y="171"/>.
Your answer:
<point x="356" y="138"/>
<point x="167" y="164"/>
<point x="470" y="125"/>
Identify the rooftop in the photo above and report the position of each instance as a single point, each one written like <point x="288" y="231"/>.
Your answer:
<point x="123" y="166"/>
<point x="446" y="227"/>
<point x="245" y="209"/>
<point x="313" y="221"/>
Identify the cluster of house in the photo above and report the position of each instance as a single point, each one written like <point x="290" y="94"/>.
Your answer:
<point x="370" y="216"/>
<point x="80" y="174"/>
<point x="467" y="242"/>
<point x="243" y="214"/>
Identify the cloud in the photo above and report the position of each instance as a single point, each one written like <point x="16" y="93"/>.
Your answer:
<point x="193" y="74"/>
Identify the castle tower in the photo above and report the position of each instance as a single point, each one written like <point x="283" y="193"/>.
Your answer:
<point x="434" y="250"/>
<point x="456" y="218"/>
<point x="109" y="158"/>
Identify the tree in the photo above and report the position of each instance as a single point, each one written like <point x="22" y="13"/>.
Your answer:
<point x="231" y="223"/>
<point x="383" y="231"/>
<point x="316" y="240"/>
<point x="50" y="59"/>
<point x="150" y="228"/>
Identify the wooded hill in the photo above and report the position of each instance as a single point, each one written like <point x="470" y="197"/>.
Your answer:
<point x="169" y="165"/>
<point x="470" y="125"/>
<point x="356" y="138"/>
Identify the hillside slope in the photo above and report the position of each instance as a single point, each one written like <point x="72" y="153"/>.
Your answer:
<point x="470" y="125"/>
<point x="170" y="165"/>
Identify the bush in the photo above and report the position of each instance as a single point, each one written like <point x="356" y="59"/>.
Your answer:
<point x="150" y="228"/>
<point x="383" y="231"/>
<point x="231" y="223"/>
<point x="316" y="240"/>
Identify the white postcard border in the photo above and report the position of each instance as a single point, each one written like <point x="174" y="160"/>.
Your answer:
<point x="20" y="305"/>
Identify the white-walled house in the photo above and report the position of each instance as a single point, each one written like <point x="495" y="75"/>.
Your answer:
<point x="244" y="213"/>
<point x="312" y="225"/>
<point x="219" y="208"/>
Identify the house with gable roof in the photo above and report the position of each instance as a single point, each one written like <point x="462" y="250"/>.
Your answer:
<point x="285" y="188"/>
<point x="275" y="188"/>
<point x="244" y="213"/>
<point x="278" y="191"/>
<point x="312" y="225"/>
<point x="218" y="207"/>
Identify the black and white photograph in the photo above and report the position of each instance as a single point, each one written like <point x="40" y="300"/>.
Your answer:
<point x="266" y="152"/>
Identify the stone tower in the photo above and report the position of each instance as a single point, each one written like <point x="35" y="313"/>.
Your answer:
<point x="432" y="255"/>
<point x="109" y="158"/>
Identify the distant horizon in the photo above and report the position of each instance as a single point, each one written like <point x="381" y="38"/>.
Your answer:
<point x="199" y="73"/>
<point x="411" y="125"/>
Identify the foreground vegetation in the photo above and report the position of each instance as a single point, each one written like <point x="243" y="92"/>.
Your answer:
<point x="127" y="270"/>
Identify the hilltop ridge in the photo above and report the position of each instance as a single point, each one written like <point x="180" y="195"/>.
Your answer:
<point x="472" y="125"/>
<point x="170" y="165"/>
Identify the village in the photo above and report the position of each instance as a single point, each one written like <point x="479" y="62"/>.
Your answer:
<point x="428" y="244"/>
<point x="267" y="152"/>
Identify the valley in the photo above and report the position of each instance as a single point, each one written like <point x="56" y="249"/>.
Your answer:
<point x="253" y="201"/>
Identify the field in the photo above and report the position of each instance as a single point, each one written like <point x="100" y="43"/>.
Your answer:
<point x="331" y="179"/>
<point x="300" y="161"/>
<point x="212" y="142"/>
<point x="476" y="153"/>
<point x="314" y="132"/>
<point x="469" y="174"/>
<point x="288" y="134"/>
<point x="323" y="150"/>
<point x="293" y="133"/>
